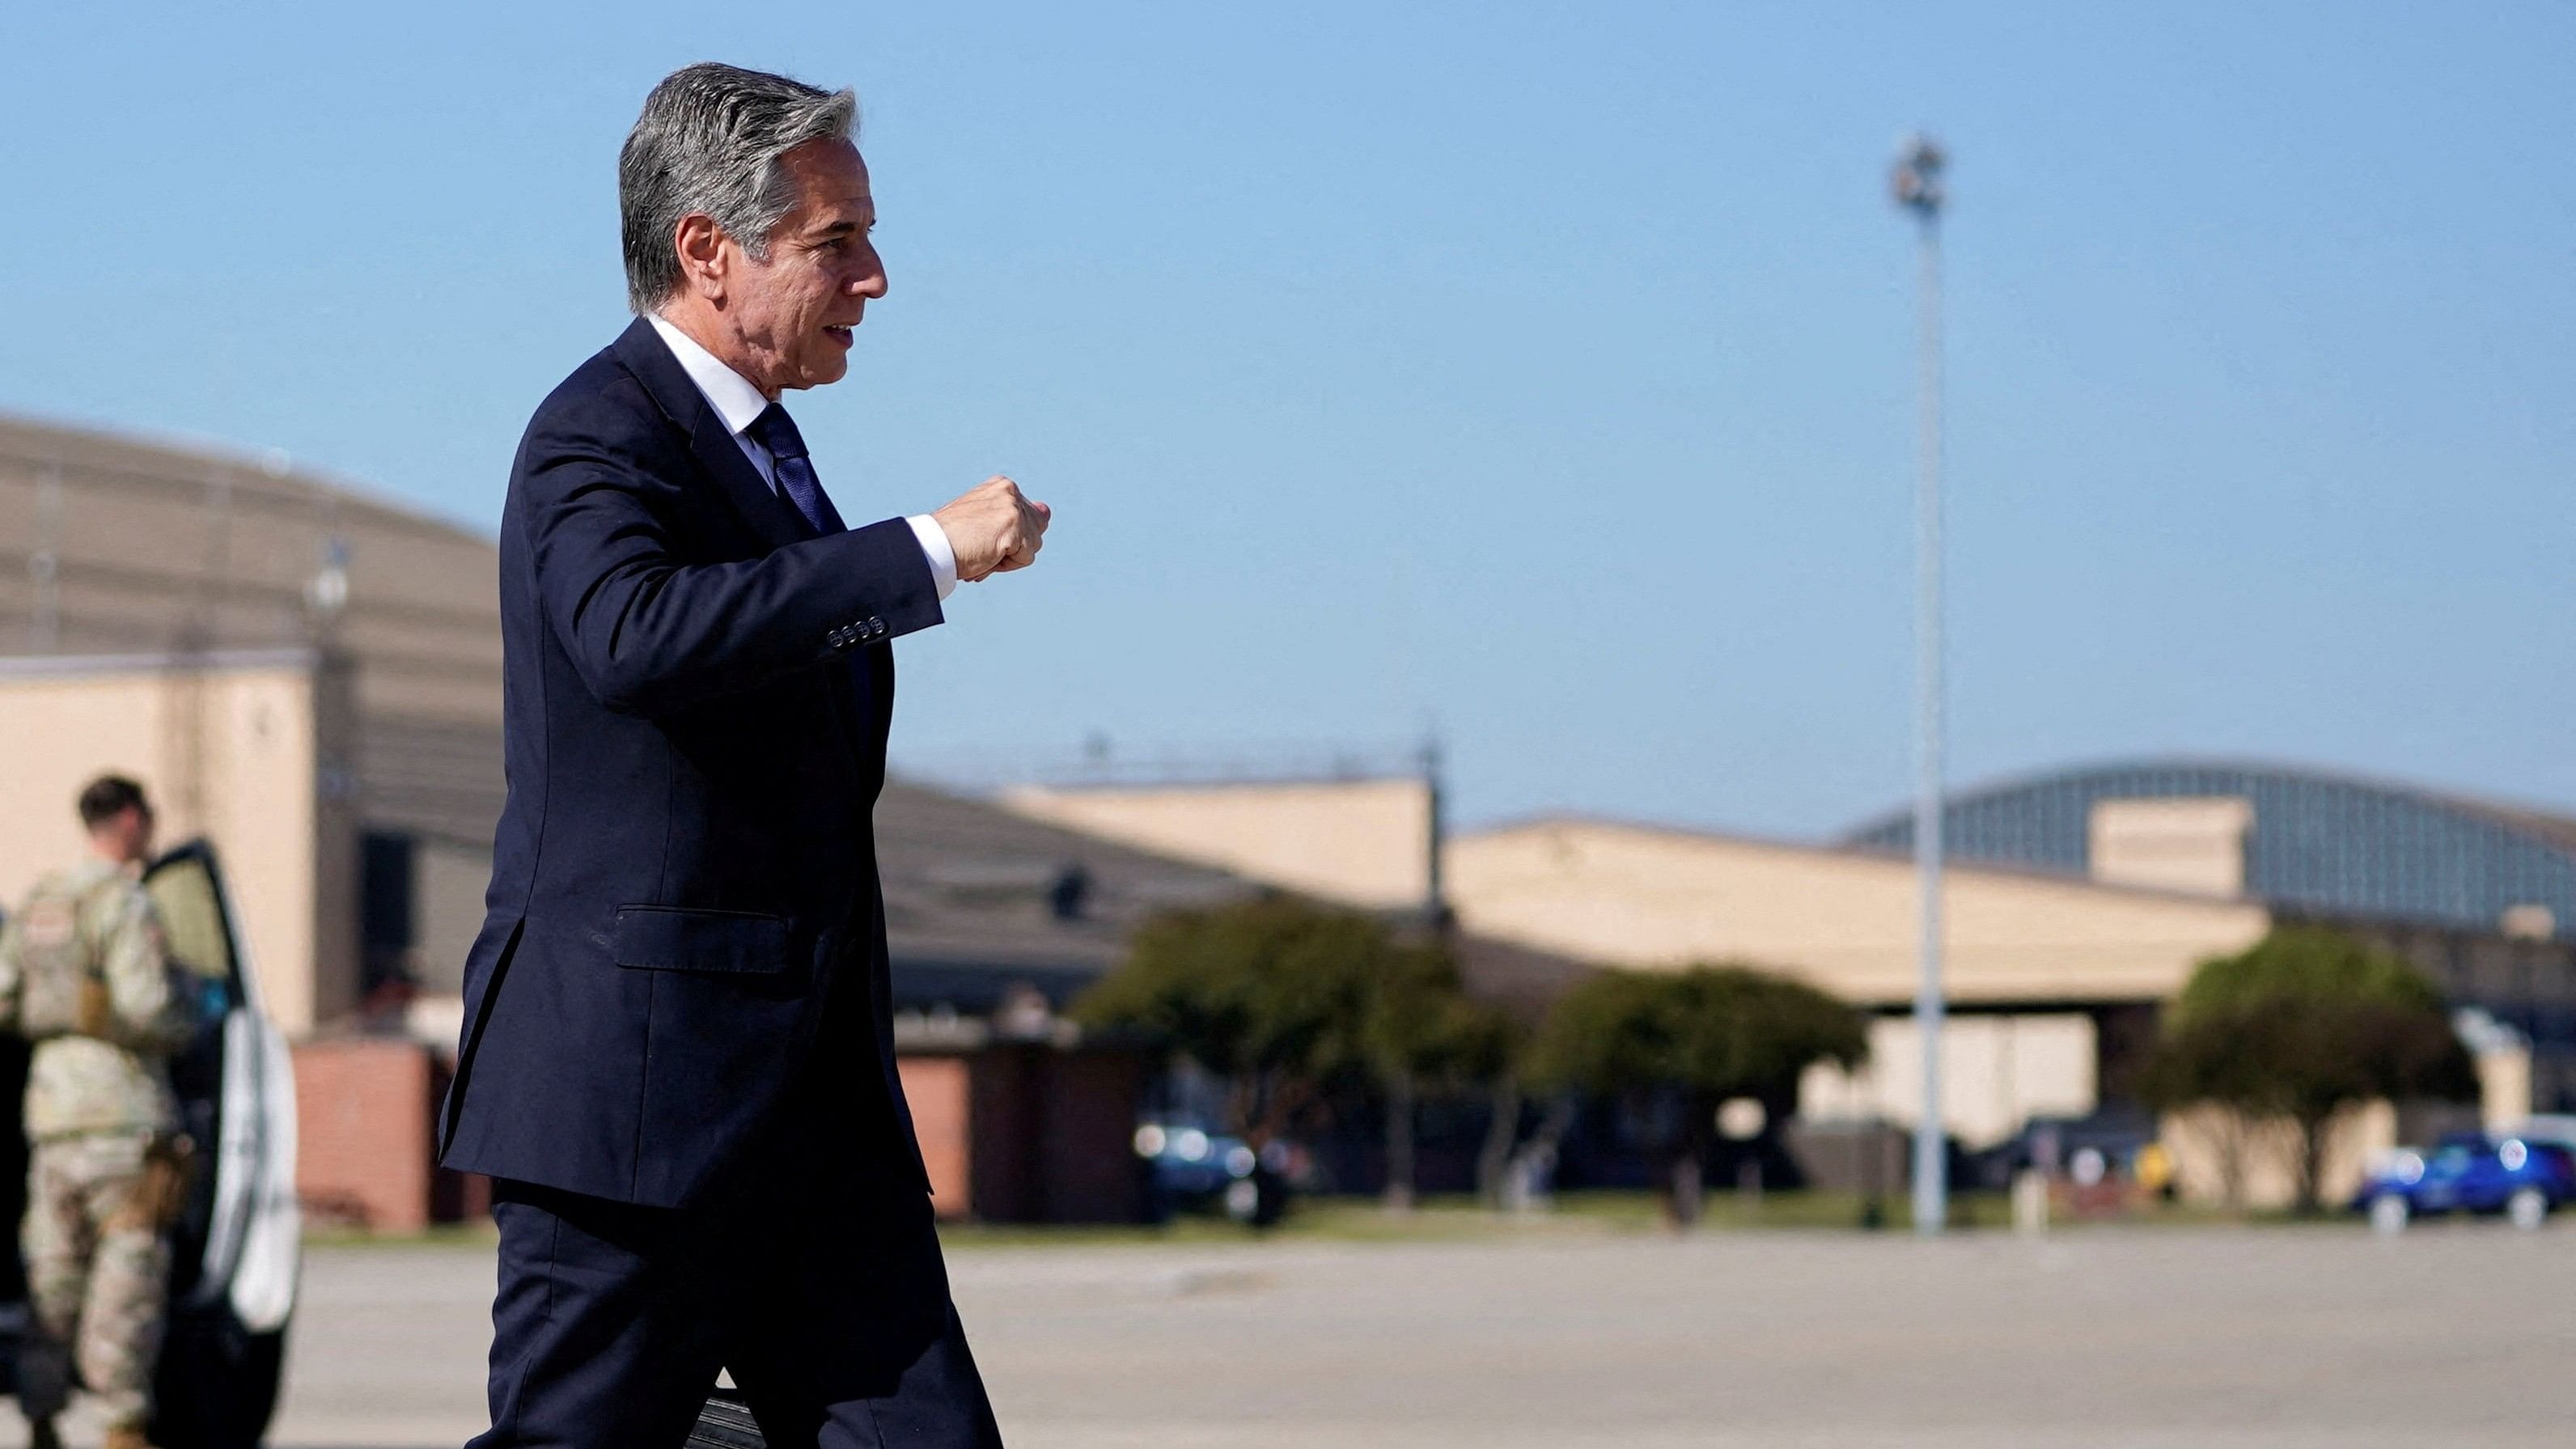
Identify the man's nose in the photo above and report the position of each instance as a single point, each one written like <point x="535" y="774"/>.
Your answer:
<point x="870" y="282"/>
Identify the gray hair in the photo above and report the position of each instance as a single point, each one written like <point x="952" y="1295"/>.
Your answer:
<point x="709" y="141"/>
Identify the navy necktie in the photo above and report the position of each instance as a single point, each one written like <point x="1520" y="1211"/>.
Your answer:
<point x="776" y="431"/>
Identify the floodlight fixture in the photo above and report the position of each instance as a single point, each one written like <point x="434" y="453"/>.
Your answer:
<point x="1916" y="181"/>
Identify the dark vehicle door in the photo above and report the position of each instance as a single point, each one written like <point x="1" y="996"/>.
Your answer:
<point x="237" y="1245"/>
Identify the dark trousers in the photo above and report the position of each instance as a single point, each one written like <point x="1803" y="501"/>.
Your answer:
<point x="821" y="1290"/>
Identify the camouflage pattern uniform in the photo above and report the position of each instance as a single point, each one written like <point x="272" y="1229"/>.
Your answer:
<point x="84" y="976"/>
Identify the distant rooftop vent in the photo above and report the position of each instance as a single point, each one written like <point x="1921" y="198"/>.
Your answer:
<point x="2529" y="922"/>
<point x="2194" y="844"/>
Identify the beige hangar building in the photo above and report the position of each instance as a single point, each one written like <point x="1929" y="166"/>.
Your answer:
<point x="2075" y="904"/>
<point x="2042" y="968"/>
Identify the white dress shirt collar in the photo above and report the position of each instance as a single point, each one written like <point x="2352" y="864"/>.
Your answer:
<point x="738" y="403"/>
<point x="727" y="391"/>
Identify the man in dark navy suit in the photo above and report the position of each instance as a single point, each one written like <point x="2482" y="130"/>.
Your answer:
<point x="677" y="1062"/>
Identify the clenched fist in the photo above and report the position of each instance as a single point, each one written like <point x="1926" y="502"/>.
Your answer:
<point x="993" y="529"/>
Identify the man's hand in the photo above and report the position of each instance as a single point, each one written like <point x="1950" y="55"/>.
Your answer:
<point x="993" y="529"/>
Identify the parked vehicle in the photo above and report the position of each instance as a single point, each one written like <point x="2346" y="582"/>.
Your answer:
<point x="2053" y="1144"/>
<point x="237" y="1245"/>
<point x="1192" y="1165"/>
<point x="2473" y="1173"/>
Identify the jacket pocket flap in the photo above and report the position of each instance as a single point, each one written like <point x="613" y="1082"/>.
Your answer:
<point x="667" y="938"/>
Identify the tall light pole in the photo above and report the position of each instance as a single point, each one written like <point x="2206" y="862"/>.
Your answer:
<point x="1918" y="188"/>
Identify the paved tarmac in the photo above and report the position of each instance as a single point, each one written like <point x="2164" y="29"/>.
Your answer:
<point x="2210" y="1338"/>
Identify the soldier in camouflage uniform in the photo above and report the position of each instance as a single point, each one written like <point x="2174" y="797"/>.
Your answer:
<point x="83" y="975"/>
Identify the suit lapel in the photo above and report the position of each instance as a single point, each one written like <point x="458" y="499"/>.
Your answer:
<point x="862" y="695"/>
<point x="641" y="349"/>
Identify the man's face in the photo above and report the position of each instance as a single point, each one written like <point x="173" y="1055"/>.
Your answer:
<point x="793" y="314"/>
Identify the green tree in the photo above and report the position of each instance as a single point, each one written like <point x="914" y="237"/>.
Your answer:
<point x="2303" y="1025"/>
<point x="1675" y="1045"/>
<point x="1400" y="1024"/>
<point x="1422" y="1033"/>
<point x="1293" y="1004"/>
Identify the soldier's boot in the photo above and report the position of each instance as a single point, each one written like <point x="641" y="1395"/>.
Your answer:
<point x="41" y="1434"/>
<point x="126" y="1436"/>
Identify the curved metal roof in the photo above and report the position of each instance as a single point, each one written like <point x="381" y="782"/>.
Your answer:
<point x="2321" y="844"/>
<point x="111" y="545"/>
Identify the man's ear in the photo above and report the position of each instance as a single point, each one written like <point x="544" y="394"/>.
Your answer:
<point x="704" y="260"/>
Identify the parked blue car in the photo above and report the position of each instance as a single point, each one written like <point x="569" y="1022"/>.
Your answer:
<point x="1191" y="1164"/>
<point x="2472" y="1173"/>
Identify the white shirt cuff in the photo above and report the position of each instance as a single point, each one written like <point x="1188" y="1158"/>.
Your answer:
<point x="935" y="547"/>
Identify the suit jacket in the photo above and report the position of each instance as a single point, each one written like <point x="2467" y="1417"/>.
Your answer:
<point x="696" y="695"/>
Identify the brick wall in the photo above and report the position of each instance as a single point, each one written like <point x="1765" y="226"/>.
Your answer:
<point x="364" y="1109"/>
<point x="1009" y="1133"/>
<point x="1029" y="1134"/>
<point x="935" y="1087"/>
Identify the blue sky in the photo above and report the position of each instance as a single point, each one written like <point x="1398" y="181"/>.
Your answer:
<point x="1544" y="371"/>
